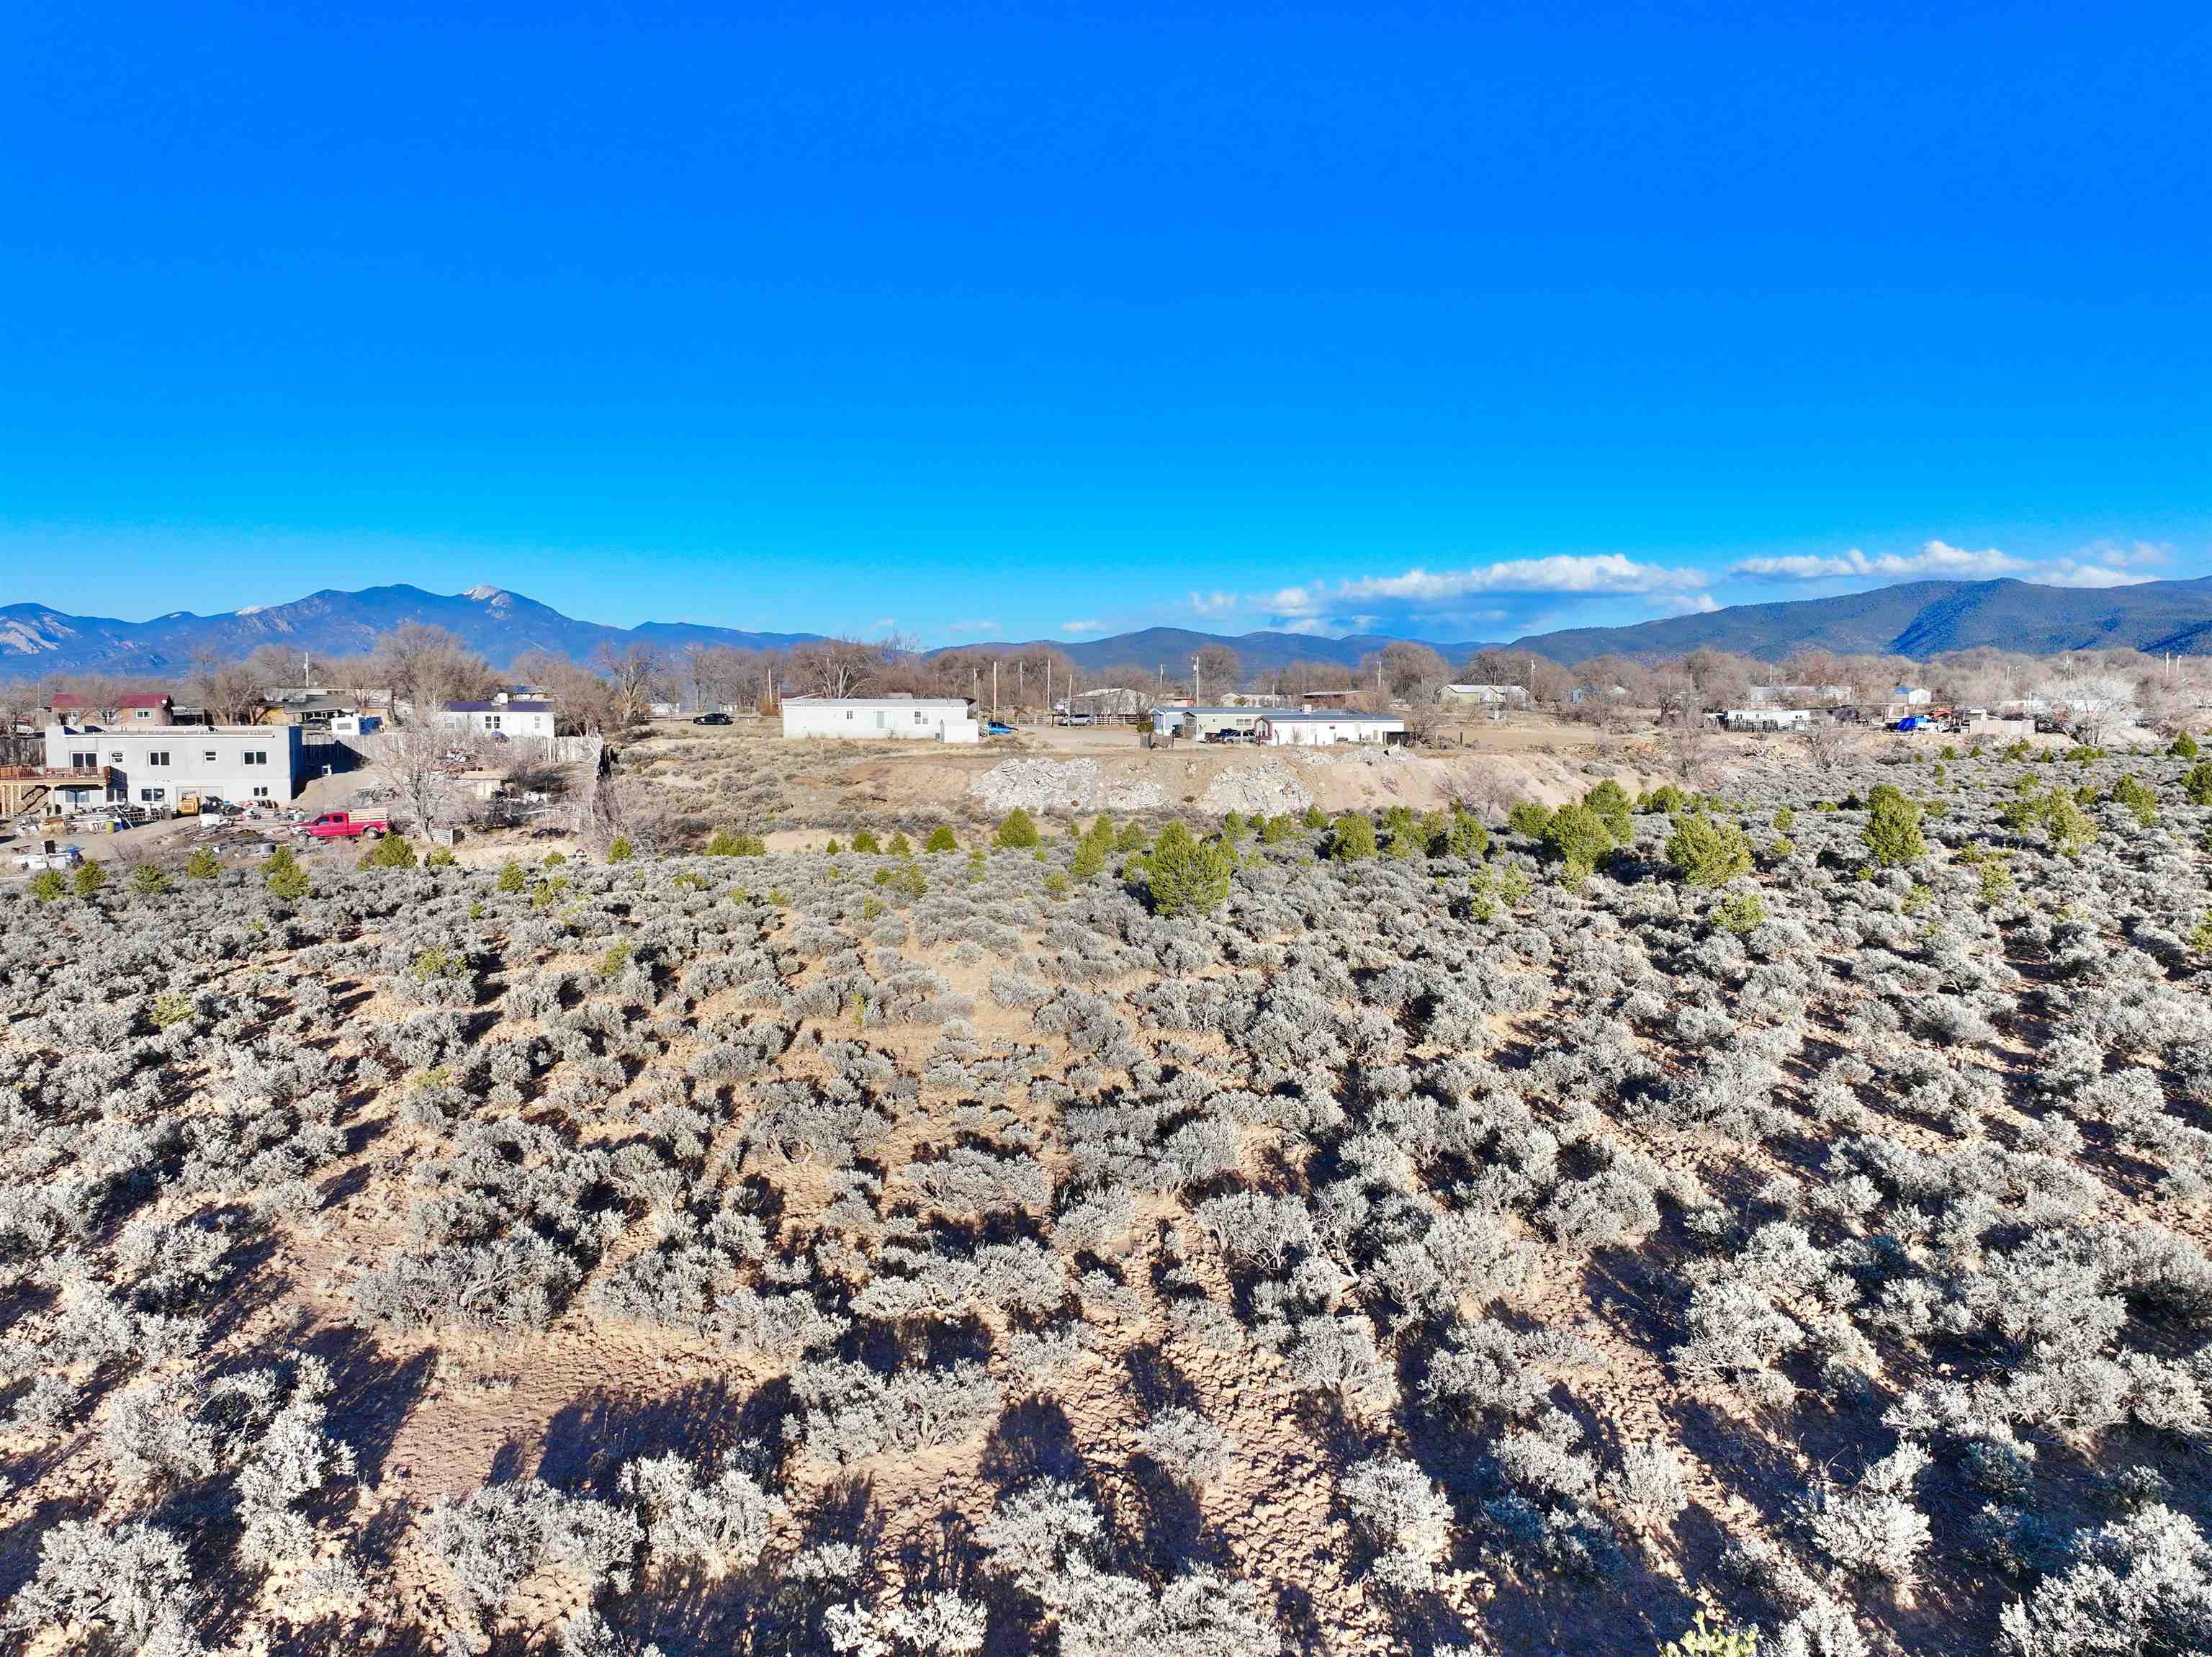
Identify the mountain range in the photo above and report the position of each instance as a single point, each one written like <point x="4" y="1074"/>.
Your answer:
<point x="1916" y="619"/>
<point x="498" y="624"/>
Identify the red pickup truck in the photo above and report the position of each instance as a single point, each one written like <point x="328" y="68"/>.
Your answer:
<point x="346" y="825"/>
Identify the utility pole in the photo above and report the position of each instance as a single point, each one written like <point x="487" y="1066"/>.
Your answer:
<point x="1196" y="698"/>
<point x="994" y="688"/>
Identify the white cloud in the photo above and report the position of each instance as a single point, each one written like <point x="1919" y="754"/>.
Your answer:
<point x="1934" y="559"/>
<point x="981" y="629"/>
<point x="1083" y="627"/>
<point x="1607" y="573"/>
<point x="1212" y="604"/>
<point x="2104" y="565"/>
<point x="1688" y="603"/>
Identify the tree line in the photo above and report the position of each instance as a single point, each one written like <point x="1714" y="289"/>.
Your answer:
<point x="417" y="667"/>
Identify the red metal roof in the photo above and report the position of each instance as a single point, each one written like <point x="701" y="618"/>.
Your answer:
<point x="144" y="701"/>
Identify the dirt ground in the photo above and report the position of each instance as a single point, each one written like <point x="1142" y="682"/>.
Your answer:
<point x="800" y="794"/>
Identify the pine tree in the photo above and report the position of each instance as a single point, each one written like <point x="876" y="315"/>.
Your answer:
<point x="1186" y="876"/>
<point x="1577" y="836"/>
<point x="1609" y="800"/>
<point x="1351" y="838"/>
<point x="1709" y="853"/>
<point x="1892" y="831"/>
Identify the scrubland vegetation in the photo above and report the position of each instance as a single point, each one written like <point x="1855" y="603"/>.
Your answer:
<point x="1652" y="1219"/>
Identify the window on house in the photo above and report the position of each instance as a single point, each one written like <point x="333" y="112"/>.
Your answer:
<point x="158" y="756"/>
<point x="255" y="757"/>
<point x="849" y="713"/>
<point x="84" y="762"/>
<point x="153" y="797"/>
<point x="917" y="719"/>
<point x="115" y="760"/>
<point x="260" y="793"/>
<point x="208" y="754"/>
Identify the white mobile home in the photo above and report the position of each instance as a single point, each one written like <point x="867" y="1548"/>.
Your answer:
<point x="162" y="765"/>
<point x="1325" y="729"/>
<point x="1767" y="718"/>
<point x="504" y="718"/>
<point x="881" y="719"/>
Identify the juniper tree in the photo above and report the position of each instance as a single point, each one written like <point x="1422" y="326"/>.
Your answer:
<point x="1709" y="853"/>
<point x="1893" y="833"/>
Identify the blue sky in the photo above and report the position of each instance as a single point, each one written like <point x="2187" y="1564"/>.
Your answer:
<point x="1041" y="321"/>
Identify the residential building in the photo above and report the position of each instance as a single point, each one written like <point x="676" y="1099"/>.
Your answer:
<point x="1481" y="696"/>
<point x="1108" y="704"/>
<point x="1913" y="696"/>
<point x="148" y="709"/>
<point x="1322" y="729"/>
<point x="1768" y="718"/>
<point x="1198" y="723"/>
<point x="163" y="766"/>
<point x="498" y="718"/>
<point x="901" y="718"/>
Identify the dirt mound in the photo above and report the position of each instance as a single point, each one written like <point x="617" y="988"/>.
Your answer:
<point x="1057" y="784"/>
<point x="1261" y="791"/>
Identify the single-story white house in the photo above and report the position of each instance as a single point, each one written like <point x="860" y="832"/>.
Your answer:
<point x="1321" y="729"/>
<point x="1483" y="696"/>
<point x="1913" y="696"/>
<point x="504" y="718"/>
<point x="887" y="718"/>
<point x="161" y="765"/>
<point x="1765" y="719"/>
<point x="1198" y="723"/>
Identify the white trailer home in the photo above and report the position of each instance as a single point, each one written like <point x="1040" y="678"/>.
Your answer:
<point x="1765" y="718"/>
<point x="881" y="719"/>
<point x="1323" y="729"/>
<point x="502" y="718"/>
<point x="161" y="765"/>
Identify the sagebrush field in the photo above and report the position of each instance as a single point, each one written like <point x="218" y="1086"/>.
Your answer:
<point x="1414" y="1235"/>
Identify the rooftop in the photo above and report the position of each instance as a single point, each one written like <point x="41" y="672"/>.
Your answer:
<point x="1337" y="717"/>
<point x="877" y="701"/>
<point x="499" y="707"/>
<point x="174" y="733"/>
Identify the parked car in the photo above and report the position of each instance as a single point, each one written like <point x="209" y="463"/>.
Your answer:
<point x="996" y="728"/>
<point x="712" y="719"/>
